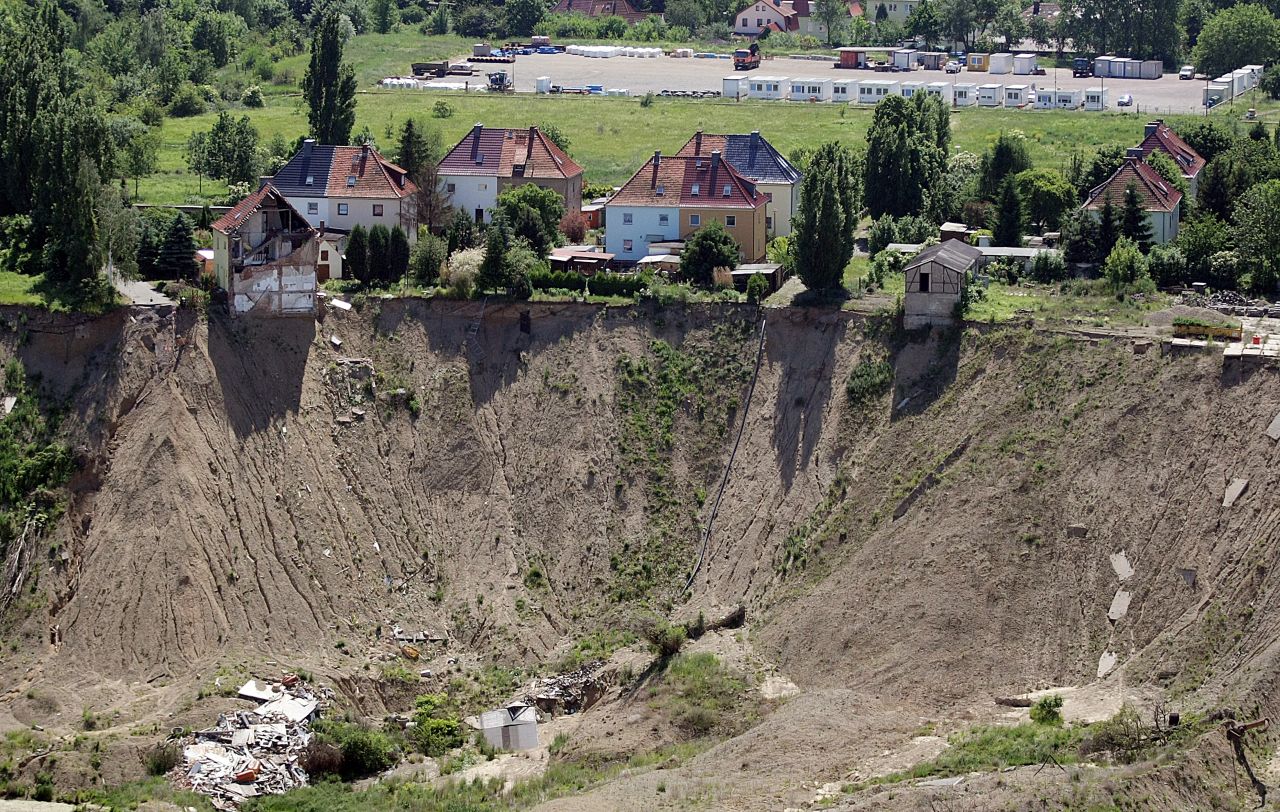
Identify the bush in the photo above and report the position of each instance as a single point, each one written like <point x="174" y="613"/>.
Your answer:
<point x="187" y="101"/>
<point x="1166" y="264"/>
<point x="1047" y="710"/>
<point x="427" y="257"/>
<point x="252" y="96"/>
<point x="435" y="737"/>
<point x="757" y="288"/>
<point x="441" y="109"/>
<point x="1049" y="266"/>
<point x="321" y="759"/>
<point x="161" y="759"/>
<point x="574" y="227"/>
<point x="666" y="638"/>
<point x="868" y="381"/>
<point x="704" y="691"/>
<point x="364" y="752"/>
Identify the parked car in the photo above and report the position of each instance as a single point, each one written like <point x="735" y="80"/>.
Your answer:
<point x="953" y="67"/>
<point x="1125" y="101"/>
<point x="1187" y="72"/>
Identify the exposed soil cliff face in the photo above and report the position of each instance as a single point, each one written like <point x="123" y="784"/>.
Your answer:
<point x="251" y="490"/>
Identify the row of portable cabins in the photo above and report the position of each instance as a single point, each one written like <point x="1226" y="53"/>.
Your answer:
<point x="871" y="91"/>
<point x="1117" y="67"/>
<point x="1230" y="85"/>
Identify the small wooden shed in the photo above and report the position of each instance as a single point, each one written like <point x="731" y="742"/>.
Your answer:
<point x="935" y="279"/>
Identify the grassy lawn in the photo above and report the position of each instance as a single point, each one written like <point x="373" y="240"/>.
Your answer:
<point x="18" y="289"/>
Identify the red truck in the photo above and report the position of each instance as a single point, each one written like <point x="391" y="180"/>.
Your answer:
<point x="747" y="58"/>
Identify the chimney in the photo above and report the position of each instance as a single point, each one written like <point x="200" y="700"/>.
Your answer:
<point x="715" y="168"/>
<point x="1133" y="154"/>
<point x="1152" y="127"/>
<point x="475" y="140"/>
<point x="528" y="153"/>
<point x="697" y="142"/>
<point x="306" y="147"/>
<point x="657" y="159"/>
<point x="1035" y="8"/>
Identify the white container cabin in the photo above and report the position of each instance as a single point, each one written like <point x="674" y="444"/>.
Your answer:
<point x="1024" y="64"/>
<point x="909" y="89"/>
<point x="871" y="91"/>
<point x="1132" y="68"/>
<point x="1046" y="99"/>
<point x="1215" y="93"/>
<point x="1255" y="73"/>
<point x="1151" y="69"/>
<point x="733" y="87"/>
<point x="767" y="87"/>
<point x="1102" y="67"/>
<point x="990" y="95"/>
<point x="905" y="58"/>
<point x="964" y="94"/>
<point x="1069" y="99"/>
<point x="1241" y="81"/>
<point x="943" y="90"/>
<point x="1018" y="95"/>
<point x="1000" y="64"/>
<point x="810" y="89"/>
<point x="542" y="84"/>
<point x="844" y="90"/>
<point x="1095" y="98"/>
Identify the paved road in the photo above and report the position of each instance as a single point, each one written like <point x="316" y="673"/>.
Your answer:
<point x="141" y="293"/>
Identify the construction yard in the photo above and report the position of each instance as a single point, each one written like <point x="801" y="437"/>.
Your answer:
<point x="638" y="76"/>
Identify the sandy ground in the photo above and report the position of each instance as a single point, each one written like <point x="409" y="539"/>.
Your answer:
<point x="638" y="76"/>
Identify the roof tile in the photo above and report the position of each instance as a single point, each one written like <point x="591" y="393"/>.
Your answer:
<point x="688" y="181"/>
<point x="1155" y="193"/>
<point x="505" y="153"/>
<point x="1166" y="140"/>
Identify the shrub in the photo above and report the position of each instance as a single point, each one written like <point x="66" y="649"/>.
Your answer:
<point x="365" y="752"/>
<point x="441" y="109"/>
<point x="573" y="226"/>
<point x="647" y="99"/>
<point x="1049" y="266"/>
<point x="321" y="759"/>
<point x="757" y="288"/>
<point x="435" y="737"/>
<point x="187" y="101"/>
<point x="252" y="96"/>
<point x="868" y="381"/>
<point x="161" y="759"/>
<point x="427" y="257"/>
<point x="704" y="690"/>
<point x="1166" y="264"/>
<point x="1047" y="710"/>
<point x="666" y="638"/>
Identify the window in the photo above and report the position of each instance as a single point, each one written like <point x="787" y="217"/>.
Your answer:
<point x="451" y="187"/>
<point x="728" y="190"/>
<point x="626" y="245"/>
<point x="759" y="22"/>
<point x="483" y="187"/>
<point x="313" y="208"/>
<point x="343" y="208"/>
<point x="695" y="219"/>
<point x="662" y="219"/>
<point x="661" y="190"/>
<point x="351" y="180"/>
<point x="696" y="188"/>
<point x="626" y="218"/>
<point x="311" y="179"/>
<point x="768" y="223"/>
<point x="479" y="215"/>
<point x="924" y="281"/>
<point x="377" y="209"/>
<point x="324" y="256"/>
<point x="731" y="220"/>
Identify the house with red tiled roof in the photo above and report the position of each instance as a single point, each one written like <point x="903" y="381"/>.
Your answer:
<point x="793" y="16"/>
<point x="1161" y="201"/>
<point x="1158" y="136"/>
<point x="759" y="162"/>
<point x="671" y="197"/>
<point x="490" y="160"/>
<point x="600" y="8"/>
<point x="339" y="187"/>
<point x="268" y="257"/>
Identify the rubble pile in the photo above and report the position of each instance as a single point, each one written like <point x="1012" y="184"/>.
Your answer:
<point x="569" y="692"/>
<point x="1231" y="303"/>
<point x="253" y="752"/>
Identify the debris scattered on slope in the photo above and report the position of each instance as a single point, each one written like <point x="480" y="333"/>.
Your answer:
<point x="1234" y="491"/>
<point x="253" y="752"/>
<point x="569" y="692"/>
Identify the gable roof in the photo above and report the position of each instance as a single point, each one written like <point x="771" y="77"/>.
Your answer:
<point x="688" y="182"/>
<point x="331" y="168"/>
<point x="267" y="195"/>
<point x="1161" y="137"/>
<point x="955" y="255"/>
<point x="1156" y="195"/>
<point x="792" y="11"/>
<point x="508" y="153"/>
<point x="750" y="154"/>
<point x="600" y="8"/>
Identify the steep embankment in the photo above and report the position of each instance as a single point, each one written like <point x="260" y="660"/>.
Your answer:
<point x="252" y="490"/>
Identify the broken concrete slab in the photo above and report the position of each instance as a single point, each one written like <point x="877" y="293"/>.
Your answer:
<point x="1106" y="662"/>
<point x="261" y="691"/>
<point x="1188" y="575"/>
<point x="1120" y="565"/>
<point x="1077" y="531"/>
<point x="953" y="781"/>
<point x="1234" y="491"/>
<point x="335" y="341"/>
<point x="1273" y="431"/>
<point x="340" y="304"/>
<point x="1119" y="605"/>
<point x="8" y="404"/>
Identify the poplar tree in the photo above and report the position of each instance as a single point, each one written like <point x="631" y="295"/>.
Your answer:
<point x="329" y="85"/>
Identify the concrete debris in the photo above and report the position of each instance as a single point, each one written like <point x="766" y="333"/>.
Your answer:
<point x="335" y="341"/>
<point x="340" y="304"/>
<point x="1077" y="531"/>
<point x="1234" y="491"/>
<point x="253" y="752"/>
<point x="402" y="635"/>
<point x="11" y="401"/>
<point x="1106" y="662"/>
<point x="1119" y="606"/>
<point x="567" y="693"/>
<point x="953" y="781"/>
<point x="1273" y="430"/>
<point x="1120" y="565"/>
<point x="1188" y="575"/>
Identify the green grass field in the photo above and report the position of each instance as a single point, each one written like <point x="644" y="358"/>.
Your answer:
<point x="18" y="289"/>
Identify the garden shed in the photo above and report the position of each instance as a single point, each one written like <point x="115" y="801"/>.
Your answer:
<point x="935" y="279"/>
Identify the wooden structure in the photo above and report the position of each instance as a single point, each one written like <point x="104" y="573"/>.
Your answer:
<point x="935" y="281"/>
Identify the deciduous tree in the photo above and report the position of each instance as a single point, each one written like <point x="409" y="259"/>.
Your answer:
<point x="707" y="249"/>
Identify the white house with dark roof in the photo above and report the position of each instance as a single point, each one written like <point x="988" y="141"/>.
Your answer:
<point x="339" y="187"/>
<point x="753" y="157"/>
<point x="490" y="160"/>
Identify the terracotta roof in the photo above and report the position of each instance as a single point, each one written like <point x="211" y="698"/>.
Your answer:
<point x="1160" y="137"/>
<point x="1155" y="193"/>
<point x="600" y="8"/>
<point x="330" y="168"/>
<point x="245" y="208"/>
<point x="508" y="153"/>
<point x="671" y="181"/>
<point x="750" y="154"/>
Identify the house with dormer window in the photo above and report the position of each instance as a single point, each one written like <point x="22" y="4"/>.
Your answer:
<point x="490" y="160"/>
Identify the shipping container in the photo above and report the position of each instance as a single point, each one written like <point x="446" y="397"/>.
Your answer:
<point x="1000" y="64"/>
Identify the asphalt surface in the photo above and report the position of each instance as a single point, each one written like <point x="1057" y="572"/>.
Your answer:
<point x="140" y="293"/>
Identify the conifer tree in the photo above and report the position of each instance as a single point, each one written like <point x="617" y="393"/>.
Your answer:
<point x="1133" y="220"/>
<point x="357" y="258"/>
<point x="329" y="85"/>
<point x="1010" y="218"/>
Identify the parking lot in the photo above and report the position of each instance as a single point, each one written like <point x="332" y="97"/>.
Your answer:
<point x="638" y="76"/>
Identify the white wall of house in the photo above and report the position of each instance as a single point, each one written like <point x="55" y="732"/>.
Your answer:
<point x="471" y="192"/>
<point x="756" y="16"/>
<point x="1164" y="224"/>
<point x="346" y="213"/>
<point x="781" y="205"/>
<point x="221" y="258"/>
<point x="629" y="241"/>
<point x="897" y="10"/>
